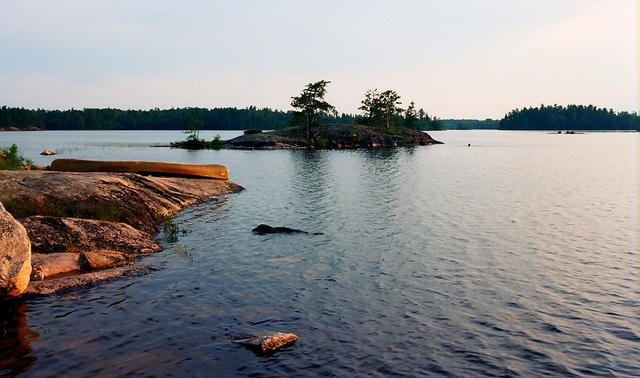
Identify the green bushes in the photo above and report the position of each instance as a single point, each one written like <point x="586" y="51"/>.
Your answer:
<point x="11" y="160"/>
<point x="195" y="143"/>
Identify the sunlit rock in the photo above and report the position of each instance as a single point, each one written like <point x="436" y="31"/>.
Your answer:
<point x="15" y="255"/>
<point x="53" y="264"/>
<point x="268" y="343"/>
<point x="101" y="260"/>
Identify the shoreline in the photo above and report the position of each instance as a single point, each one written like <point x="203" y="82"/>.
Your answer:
<point x="112" y="218"/>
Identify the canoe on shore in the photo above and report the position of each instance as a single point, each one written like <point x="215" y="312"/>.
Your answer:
<point x="212" y="171"/>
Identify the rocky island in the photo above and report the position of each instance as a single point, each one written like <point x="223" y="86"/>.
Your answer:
<point x="333" y="136"/>
<point x="382" y="124"/>
<point x="54" y="224"/>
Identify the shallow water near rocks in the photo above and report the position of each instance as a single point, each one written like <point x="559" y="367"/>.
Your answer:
<point x="515" y="256"/>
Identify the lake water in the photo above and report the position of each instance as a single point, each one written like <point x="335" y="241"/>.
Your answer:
<point x="515" y="256"/>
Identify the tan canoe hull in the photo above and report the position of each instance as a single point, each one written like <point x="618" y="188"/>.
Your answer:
<point x="213" y="171"/>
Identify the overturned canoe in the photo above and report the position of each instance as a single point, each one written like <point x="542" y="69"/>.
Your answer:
<point x="145" y="167"/>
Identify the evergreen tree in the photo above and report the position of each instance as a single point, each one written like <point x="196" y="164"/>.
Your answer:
<point x="411" y="116"/>
<point x="380" y="108"/>
<point x="312" y="106"/>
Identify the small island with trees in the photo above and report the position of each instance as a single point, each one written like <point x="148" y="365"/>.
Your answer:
<point x="383" y="123"/>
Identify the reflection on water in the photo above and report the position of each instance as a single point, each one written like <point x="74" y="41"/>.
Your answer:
<point x="515" y="257"/>
<point x="15" y="339"/>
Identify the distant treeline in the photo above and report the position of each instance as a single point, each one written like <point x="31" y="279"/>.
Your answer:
<point x="469" y="124"/>
<point x="171" y="119"/>
<point x="154" y="119"/>
<point x="572" y="117"/>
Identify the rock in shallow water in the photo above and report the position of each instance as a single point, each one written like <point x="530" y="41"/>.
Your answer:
<point x="268" y="343"/>
<point x="48" y="265"/>
<point x="264" y="229"/>
<point x="101" y="260"/>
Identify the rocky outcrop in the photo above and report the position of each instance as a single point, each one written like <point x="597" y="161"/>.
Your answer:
<point x="139" y="201"/>
<point x="106" y="219"/>
<point x="268" y="141"/>
<point x="15" y="255"/>
<point x="51" y="234"/>
<point x="47" y="153"/>
<point x="333" y="136"/>
<point x="268" y="343"/>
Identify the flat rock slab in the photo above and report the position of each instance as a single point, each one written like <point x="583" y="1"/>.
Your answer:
<point x="268" y="343"/>
<point x="128" y="198"/>
<point x="70" y="283"/>
<point x="102" y="260"/>
<point x="48" y="265"/>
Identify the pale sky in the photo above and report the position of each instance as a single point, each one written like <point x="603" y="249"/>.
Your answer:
<point x="454" y="58"/>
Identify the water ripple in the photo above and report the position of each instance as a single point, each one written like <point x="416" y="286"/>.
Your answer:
<point x="443" y="261"/>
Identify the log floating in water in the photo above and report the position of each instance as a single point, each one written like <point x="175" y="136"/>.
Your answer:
<point x="145" y="167"/>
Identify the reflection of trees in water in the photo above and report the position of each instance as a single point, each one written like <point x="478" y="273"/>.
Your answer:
<point x="381" y="170"/>
<point x="311" y="170"/>
<point x="15" y="339"/>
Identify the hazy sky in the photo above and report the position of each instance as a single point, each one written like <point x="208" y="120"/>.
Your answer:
<point x="454" y="58"/>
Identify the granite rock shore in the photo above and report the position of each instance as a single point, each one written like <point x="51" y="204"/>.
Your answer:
<point x="86" y="222"/>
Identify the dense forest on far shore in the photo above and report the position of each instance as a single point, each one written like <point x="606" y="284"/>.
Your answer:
<point x="154" y="119"/>
<point x="572" y="117"/>
<point x="469" y="124"/>
<point x="169" y="119"/>
<point x="553" y="118"/>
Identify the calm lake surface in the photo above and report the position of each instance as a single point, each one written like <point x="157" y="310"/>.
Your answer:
<point x="516" y="256"/>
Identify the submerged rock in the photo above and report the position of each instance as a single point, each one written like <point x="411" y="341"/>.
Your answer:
<point x="268" y="343"/>
<point x="15" y="256"/>
<point x="264" y="229"/>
